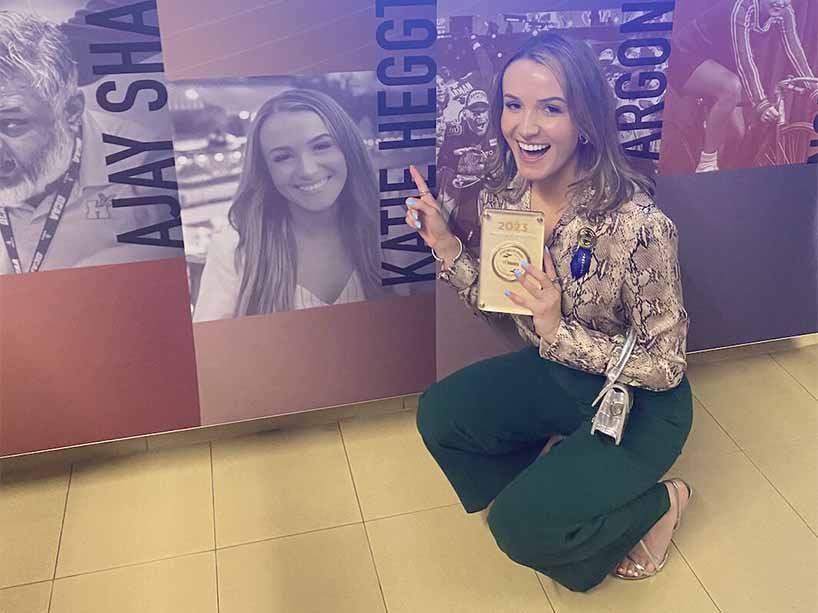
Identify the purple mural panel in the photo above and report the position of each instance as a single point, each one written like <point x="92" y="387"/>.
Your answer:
<point x="748" y="251"/>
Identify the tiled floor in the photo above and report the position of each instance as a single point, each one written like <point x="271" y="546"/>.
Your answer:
<point x="356" y="518"/>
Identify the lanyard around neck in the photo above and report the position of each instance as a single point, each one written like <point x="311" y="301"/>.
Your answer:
<point x="52" y="222"/>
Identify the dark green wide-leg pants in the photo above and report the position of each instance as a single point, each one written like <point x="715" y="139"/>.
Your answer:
<point x="574" y="513"/>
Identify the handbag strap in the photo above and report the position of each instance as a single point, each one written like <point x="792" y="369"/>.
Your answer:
<point x="627" y="350"/>
<point x="613" y="374"/>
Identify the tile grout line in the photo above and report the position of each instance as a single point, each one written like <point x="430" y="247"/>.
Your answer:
<point x="27" y="584"/>
<point x="777" y="491"/>
<point x="701" y="583"/>
<point x="784" y="368"/>
<point x="758" y="468"/>
<point x="190" y="554"/>
<point x="234" y="546"/>
<point x="746" y="455"/>
<point x="739" y="446"/>
<point x="544" y="591"/>
<point x="59" y="541"/>
<point x="215" y="542"/>
<point x="375" y="566"/>
<point x="718" y="423"/>
<point x="415" y="512"/>
<point x="363" y="522"/>
<point x="286" y="536"/>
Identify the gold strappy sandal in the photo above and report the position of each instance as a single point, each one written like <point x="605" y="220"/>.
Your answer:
<point x="658" y="565"/>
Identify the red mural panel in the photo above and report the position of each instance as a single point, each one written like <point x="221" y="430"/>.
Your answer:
<point x="94" y="354"/>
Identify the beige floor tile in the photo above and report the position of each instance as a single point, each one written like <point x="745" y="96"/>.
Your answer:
<point x="393" y="471"/>
<point x="443" y="561"/>
<point x="179" y="585"/>
<point x="26" y="599"/>
<point x="136" y="510"/>
<point x="675" y="590"/>
<point x="320" y="572"/>
<point x="707" y="437"/>
<point x="410" y="402"/>
<point x="281" y="483"/>
<point x="31" y="515"/>
<point x="755" y="400"/>
<point x="792" y="468"/>
<point x="743" y="541"/>
<point x="803" y="365"/>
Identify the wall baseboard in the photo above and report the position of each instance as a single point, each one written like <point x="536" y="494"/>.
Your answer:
<point x="62" y="458"/>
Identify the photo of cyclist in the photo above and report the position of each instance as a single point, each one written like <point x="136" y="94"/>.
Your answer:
<point x="728" y="55"/>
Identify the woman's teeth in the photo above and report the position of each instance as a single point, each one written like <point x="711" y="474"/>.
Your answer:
<point x="529" y="148"/>
<point x="314" y="187"/>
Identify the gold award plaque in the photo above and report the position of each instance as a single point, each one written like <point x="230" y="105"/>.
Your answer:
<point x="507" y="237"/>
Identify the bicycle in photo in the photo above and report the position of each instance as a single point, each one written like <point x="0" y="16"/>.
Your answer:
<point x="786" y="141"/>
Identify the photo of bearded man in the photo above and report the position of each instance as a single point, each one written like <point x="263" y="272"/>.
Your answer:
<point x="64" y="199"/>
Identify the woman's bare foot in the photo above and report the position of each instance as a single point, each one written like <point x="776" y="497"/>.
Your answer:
<point x="657" y="540"/>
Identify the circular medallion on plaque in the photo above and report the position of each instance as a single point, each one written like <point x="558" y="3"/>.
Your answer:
<point x="506" y="258"/>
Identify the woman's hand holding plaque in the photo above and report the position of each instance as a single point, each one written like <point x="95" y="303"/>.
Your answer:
<point x="543" y="296"/>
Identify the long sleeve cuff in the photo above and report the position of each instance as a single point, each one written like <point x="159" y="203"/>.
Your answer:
<point x="463" y="272"/>
<point x="579" y="347"/>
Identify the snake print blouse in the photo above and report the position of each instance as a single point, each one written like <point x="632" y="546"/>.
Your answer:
<point x="634" y="280"/>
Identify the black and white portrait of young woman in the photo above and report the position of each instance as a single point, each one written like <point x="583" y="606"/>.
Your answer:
<point x="278" y="180"/>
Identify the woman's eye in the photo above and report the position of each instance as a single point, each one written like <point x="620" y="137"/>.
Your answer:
<point x="281" y="157"/>
<point x="323" y="146"/>
<point x="553" y="109"/>
<point x="513" y="106"/>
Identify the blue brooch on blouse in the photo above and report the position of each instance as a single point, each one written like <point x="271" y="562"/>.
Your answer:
<point x="581" y="262"/>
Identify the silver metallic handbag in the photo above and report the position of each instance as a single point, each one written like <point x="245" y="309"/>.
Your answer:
<point x="616" y="397"/>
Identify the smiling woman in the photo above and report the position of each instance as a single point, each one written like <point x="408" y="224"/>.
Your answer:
<point x="560" y="497"/>
<point x="303" y="227"/>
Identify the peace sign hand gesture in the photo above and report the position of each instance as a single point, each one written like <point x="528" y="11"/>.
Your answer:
<point x="544" y="296"/>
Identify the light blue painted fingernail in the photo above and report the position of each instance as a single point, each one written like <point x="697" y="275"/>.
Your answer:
<point x="524" y="263"/>
<point x="518" y="272"/>
<point x="417" y="225"/>
<point x="415" y="215"/>
<point x="411" y="201"/>
<point x="507" y="292"/>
